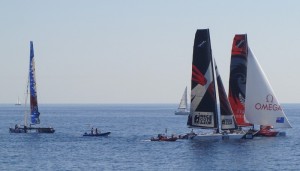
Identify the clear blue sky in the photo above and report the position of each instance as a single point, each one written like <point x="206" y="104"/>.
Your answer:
<point x="139" y="51"/>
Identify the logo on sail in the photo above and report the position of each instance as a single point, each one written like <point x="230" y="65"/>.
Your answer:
<point x="240" y="43"/>
<point x="268" y="105"/>
<point x="202" y="43"/>
<point x="269" y="98"/>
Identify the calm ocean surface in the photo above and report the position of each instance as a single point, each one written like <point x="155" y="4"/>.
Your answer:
<point x="129" y="148"/>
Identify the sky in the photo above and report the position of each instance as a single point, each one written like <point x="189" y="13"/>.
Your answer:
<point x="139" y="51"/>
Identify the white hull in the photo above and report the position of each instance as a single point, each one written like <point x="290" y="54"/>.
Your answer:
<point x="233" y="136"/>
<point x="215" y="136"/>
<point x="182" y="112"/>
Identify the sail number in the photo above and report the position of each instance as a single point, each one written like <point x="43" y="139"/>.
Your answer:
<point x="203" y="119"/>
<point x="227" y="122"/>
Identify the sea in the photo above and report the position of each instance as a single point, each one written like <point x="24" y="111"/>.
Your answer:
<point x="128" y="147"/>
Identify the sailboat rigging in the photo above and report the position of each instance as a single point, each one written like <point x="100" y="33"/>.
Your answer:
<point x="34" y="112"/>
<point x="183" y="105"/>
<point x="250" y="93"/>
<point x="18" y="102"/>
<point x="203" y="112"/>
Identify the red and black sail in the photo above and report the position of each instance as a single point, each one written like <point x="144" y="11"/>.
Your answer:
<point x="238" y="78"/>
<point x="203" y="95"/>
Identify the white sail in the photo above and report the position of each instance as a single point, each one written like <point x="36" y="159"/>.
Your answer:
<point x="183" y="101"/>
<point x="261" y="105"/>
<point x="183" y="105"/>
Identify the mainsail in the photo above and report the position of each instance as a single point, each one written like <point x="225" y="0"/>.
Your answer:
<point x="33" y="95"/>
<point x="261" y="104"/>
<point x="203" y="111"/>
<point x="238" y="78"/>
<point x="183" y="101"/>
<point x="227" y="118"/>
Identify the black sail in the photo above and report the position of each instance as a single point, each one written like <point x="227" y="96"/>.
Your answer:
<point x="226" y="115"/>
<point x="203" y="111"/>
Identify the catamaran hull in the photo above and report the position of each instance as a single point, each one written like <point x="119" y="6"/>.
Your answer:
<point x="182" y="113"/>
<point x="31" y="130"/>
<point x="233" y="136"/>
<point x="218" y="136"/>
<point x="164" y="139"/>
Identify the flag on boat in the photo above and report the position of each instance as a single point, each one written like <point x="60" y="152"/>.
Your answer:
<point x="280" y="120"/>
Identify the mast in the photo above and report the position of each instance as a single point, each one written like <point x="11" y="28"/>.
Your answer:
<point x="203" y="110"/>
<point x="215" y="94"/>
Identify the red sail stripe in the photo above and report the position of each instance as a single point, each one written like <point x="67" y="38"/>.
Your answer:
<point x="198" y="77"/>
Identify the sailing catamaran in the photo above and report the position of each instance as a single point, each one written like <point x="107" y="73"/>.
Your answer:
<point x="34" y="112"/>
<point x="250" y="94"/>
<point x="204" y="113"/>
<point x="183" y="106"/>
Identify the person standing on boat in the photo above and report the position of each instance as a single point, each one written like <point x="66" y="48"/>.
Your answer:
<point x="96" y="131"/>
<point x="25" y="128"/>
<point x="92" y="131"/>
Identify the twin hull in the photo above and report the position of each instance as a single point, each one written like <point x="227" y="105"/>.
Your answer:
<point x="216" y="136"/>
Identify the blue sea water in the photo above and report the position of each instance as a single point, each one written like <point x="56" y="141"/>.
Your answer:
<point x="129" y="148"/>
